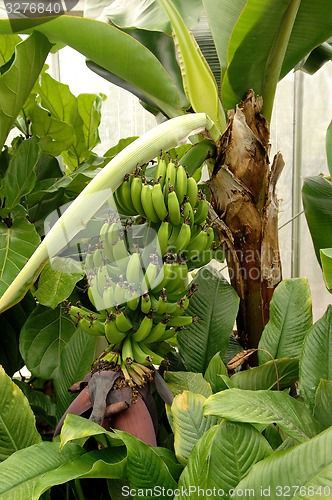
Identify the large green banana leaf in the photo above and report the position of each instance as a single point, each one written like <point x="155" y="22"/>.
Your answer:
<point x="269" y="39"/>
<point x="283" y="473"/>
<point x="266" y="38"/>
<point x="317" y="203"/>
<point x="17" y="82"/>
<point x="112" y="49"/>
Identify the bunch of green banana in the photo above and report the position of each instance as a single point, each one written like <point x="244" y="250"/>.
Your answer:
<point x="137" y="268"/>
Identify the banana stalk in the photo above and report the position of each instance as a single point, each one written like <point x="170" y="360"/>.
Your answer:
<point x="99" y="190"/>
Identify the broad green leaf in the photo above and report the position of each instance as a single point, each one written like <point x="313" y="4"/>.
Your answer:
<point x="198" y="80"/>
<point x="283" y="473"/>
<point x="89" y="108"/>
<point x="55" y="135"/>
<point x="316" y="358"/>
<point x="75" y="362"/>
<point x="329" y="147"/>
<point x="256" y="49"/>
<point x="145" y="468"/>
<point x="187" y="381"/>
<point x="323" y="403"/>
<point x="17" y="83"/>
<point x="213" y="373"/>
<point x="76" y="427"/>
<point x="102" y="43"/>
<point x="170" y="460"/>
<point x="290" y="320"/>
<point x="43" y="337"/>
<point x="20" y="176"/>
<point x="216" y="304"/>
<point x="108" y="463"/>
<point x="225" y="13"/>
<point x="317" y="18"/>
<point x="268" y="41"/>
<point x="285" y="371"/>
<point x="7" y="47"/>
<point x="149" y="15"/>
<point x="17" y="421"/>
<point x="17" y="243"/>
<point x="221" y="458"/>
<point x="189" y="423"/>
<point x="20" y="473"/>
<point x="317" y="204"/>
<point x="264" y="407"/>
<point x="63" y="105"/>
<point x="326" y="260"/>
<point x="54" y="287"/>
<point x="141" y="22"/>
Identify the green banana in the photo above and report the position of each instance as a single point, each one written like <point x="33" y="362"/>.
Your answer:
<point x="178" y="281"/>
<point x="120" y="254"/>
<point x="163" y="237"/>
<point x="196" y="245"/>
<point x="182" y="239"/>
<point x="201" y="212"/>
<point x="112" y="333"/>
<point x="101" y="279"/>
<point x="156" y="332"/>
<point x="95" y="297"/>
<point x="158" y="306"/>
<point x="158" y="202"/>
<point x="120" y="293"/>
<point x="165" y="275"/>
<point x="124" y="194"/>
<point x="197" y="154"/>
<point x="134" y="272"/>
<point x="150" y="278"/>
<point x="210" y="237"/>
<point x="121" y="205"/>
<point x="98" y="257"/>
<point x="146" y="199"/>
<point x="90" y="324"/>
<point x="133" y="302"/>
<point x="139" y="355"/>
<point x="136" y="192"/>
<point x="89" y="264"/>
<point x="156" y="359"/>
<point x="127" y="350"/>
<point x="173" y="208"/>
<point x="187" y="213"/>
<point x="122" y="322"/>
<point x="145" y="303"/>
<point x="180" y="186"/>
<point x="180" y="321"/>
<point x="108" y="295"/>
<point x="143" y="329"/>
<point x="170" y="177"/>
<point x="160" y="173"/>
<point x="192" y="191"/>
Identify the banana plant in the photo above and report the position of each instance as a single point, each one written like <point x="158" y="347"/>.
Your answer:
<point x="177" y="79"/>
<point x="223" y="420"/>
